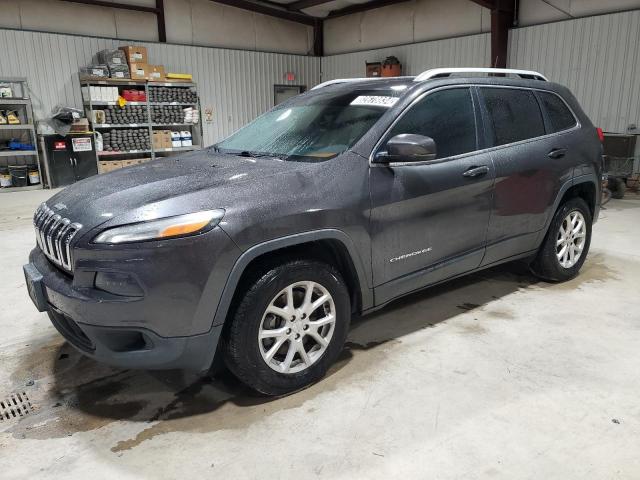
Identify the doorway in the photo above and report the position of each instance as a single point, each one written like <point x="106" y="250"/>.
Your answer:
<point x="285" y="92"/>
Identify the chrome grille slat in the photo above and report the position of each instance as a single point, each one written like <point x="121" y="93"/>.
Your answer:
<point x="55" y="219"/>
<point x="54" y="234"/>
<point x="64" y="226"/>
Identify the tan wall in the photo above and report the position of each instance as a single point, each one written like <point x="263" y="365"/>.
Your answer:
<point x="189" y="22"/>
<point x="423" y="20"/>
<point x="533" y="12"/>
<point x="408" y="22"/>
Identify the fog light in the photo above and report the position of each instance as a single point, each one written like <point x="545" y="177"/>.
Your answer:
<point x="121" y="284"/>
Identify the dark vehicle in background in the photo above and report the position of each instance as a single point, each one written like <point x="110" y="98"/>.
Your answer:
<point x="334" y="203"/>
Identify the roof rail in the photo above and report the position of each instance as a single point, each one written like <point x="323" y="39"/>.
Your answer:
<point x="353" y="80"/>
<point x="445" y="72"/>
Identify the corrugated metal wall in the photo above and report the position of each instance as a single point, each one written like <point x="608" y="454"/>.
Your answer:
<point x="237" y="84"/>
<point x="472" y="50"/>
<point x="598" y="58"/>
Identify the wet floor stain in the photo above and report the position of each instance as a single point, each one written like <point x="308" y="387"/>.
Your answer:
<point x="596" y="268"/>
<point x="75" y="394"/>
<point x="473" y="327"/>
<point x="501" y="314"/>
<point x="193" y="409"/>
<point x="468" y="306"/>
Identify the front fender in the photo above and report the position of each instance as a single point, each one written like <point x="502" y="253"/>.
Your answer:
<point x="289" y="241"/>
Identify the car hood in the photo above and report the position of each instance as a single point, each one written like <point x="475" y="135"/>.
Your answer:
<point x="170" y="186"/>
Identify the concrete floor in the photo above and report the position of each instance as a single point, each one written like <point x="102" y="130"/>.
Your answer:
<point x="492" y="376"/>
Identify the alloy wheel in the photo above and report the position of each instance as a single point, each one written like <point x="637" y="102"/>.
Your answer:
<point x="297" y="326"/>
<point x="570" y="240"/>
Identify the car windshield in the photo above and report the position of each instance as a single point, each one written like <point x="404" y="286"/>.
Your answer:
<point x="312" y="127"/>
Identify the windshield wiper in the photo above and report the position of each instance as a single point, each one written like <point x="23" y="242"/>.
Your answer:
<point x="247" y="153"/>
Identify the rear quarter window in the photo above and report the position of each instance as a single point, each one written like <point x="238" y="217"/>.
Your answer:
<point x="514" y="114"/>
<point x="559" y="115"/>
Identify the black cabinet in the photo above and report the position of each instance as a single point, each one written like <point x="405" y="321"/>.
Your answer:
<point x="69" y="158"/>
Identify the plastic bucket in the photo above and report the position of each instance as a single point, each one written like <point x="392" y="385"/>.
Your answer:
<point x="5" y="177"/>
<point x="19" y="174"/>
<point x="34" y="176"/>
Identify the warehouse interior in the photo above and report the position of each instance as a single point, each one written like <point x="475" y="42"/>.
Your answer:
<point x="493" y="375"/>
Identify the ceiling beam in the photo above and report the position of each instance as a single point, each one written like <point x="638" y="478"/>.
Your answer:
<point x="490" y="4"/>
<point x="266" y="10"/>
<point x="363" y="7"/>
<point x="301" y="4"/>
<point x="122" y="6"/>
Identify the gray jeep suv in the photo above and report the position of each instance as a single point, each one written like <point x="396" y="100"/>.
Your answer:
<point x="335" y="203"/>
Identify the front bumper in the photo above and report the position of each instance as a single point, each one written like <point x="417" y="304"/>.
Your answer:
<point x="168" y="327"/>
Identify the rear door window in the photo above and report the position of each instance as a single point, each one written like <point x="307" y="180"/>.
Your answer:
<point x="514" y="114"/>
<point x="447" y="116"/>
<point x="559" y="115"/>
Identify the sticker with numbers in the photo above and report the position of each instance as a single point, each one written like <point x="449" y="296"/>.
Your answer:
<point x="375" y="101"/>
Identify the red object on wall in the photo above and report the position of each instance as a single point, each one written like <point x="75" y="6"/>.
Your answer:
<point x="290" y="76"/>
<point x="392" y="70"/>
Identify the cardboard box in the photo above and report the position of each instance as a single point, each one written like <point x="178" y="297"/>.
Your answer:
<point x="162" y="139"/>
<point x="80" y="126"/>
<point x="131" y="161"/>
<point x="135" y="54"/>
<point x="157" y="140"/>
<point x="139" y="71"/>
<point x="157" y="73"/>
<point x="106" y="166"/>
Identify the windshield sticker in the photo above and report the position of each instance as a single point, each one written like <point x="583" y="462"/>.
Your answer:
<point x="375" y="100"/>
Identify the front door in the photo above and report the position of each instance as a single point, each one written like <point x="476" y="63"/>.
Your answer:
<point x="429" y="221"/>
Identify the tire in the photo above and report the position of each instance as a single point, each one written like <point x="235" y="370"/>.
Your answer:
<point x="547" y="265"/>
<point x="247" y="357"/>
<point x="617" y="187"/>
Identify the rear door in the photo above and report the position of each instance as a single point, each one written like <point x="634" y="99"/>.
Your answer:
<point x="429" y="220"/>
<point x="531" y="161"/>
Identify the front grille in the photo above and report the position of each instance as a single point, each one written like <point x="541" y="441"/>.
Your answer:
<point x="54" y="234"/>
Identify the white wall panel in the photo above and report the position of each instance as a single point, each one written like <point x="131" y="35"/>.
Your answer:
<point x="237" y="85"/>
<point x="598" y="58"/>
<point x="470" y="51"/>
<point x="190" y="22"/>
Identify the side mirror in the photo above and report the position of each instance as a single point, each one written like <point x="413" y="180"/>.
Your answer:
<point x="408" y="147"/>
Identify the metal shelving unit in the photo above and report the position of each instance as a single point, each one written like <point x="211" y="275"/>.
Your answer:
<point x="21" y="104"/>
<point x="90" y="105"/>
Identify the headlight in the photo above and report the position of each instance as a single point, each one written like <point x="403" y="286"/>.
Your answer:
<point x="169" y="227"/>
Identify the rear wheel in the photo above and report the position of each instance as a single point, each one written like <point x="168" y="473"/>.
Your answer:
<point x="566" y="245"/>
<point x="289" y="327"/>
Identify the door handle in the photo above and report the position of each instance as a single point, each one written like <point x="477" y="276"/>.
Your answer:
<point x="557" y="153"/>
<point x="476" y="171"/>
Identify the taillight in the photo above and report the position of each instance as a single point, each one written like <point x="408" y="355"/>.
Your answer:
<point x="600" y="134"/>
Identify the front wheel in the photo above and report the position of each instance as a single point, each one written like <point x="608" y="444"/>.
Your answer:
<point x="566" y="245"/>
<point x="289" y="327"/>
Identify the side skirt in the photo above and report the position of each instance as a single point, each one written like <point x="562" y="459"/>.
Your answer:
<point x="513" y="258"/>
